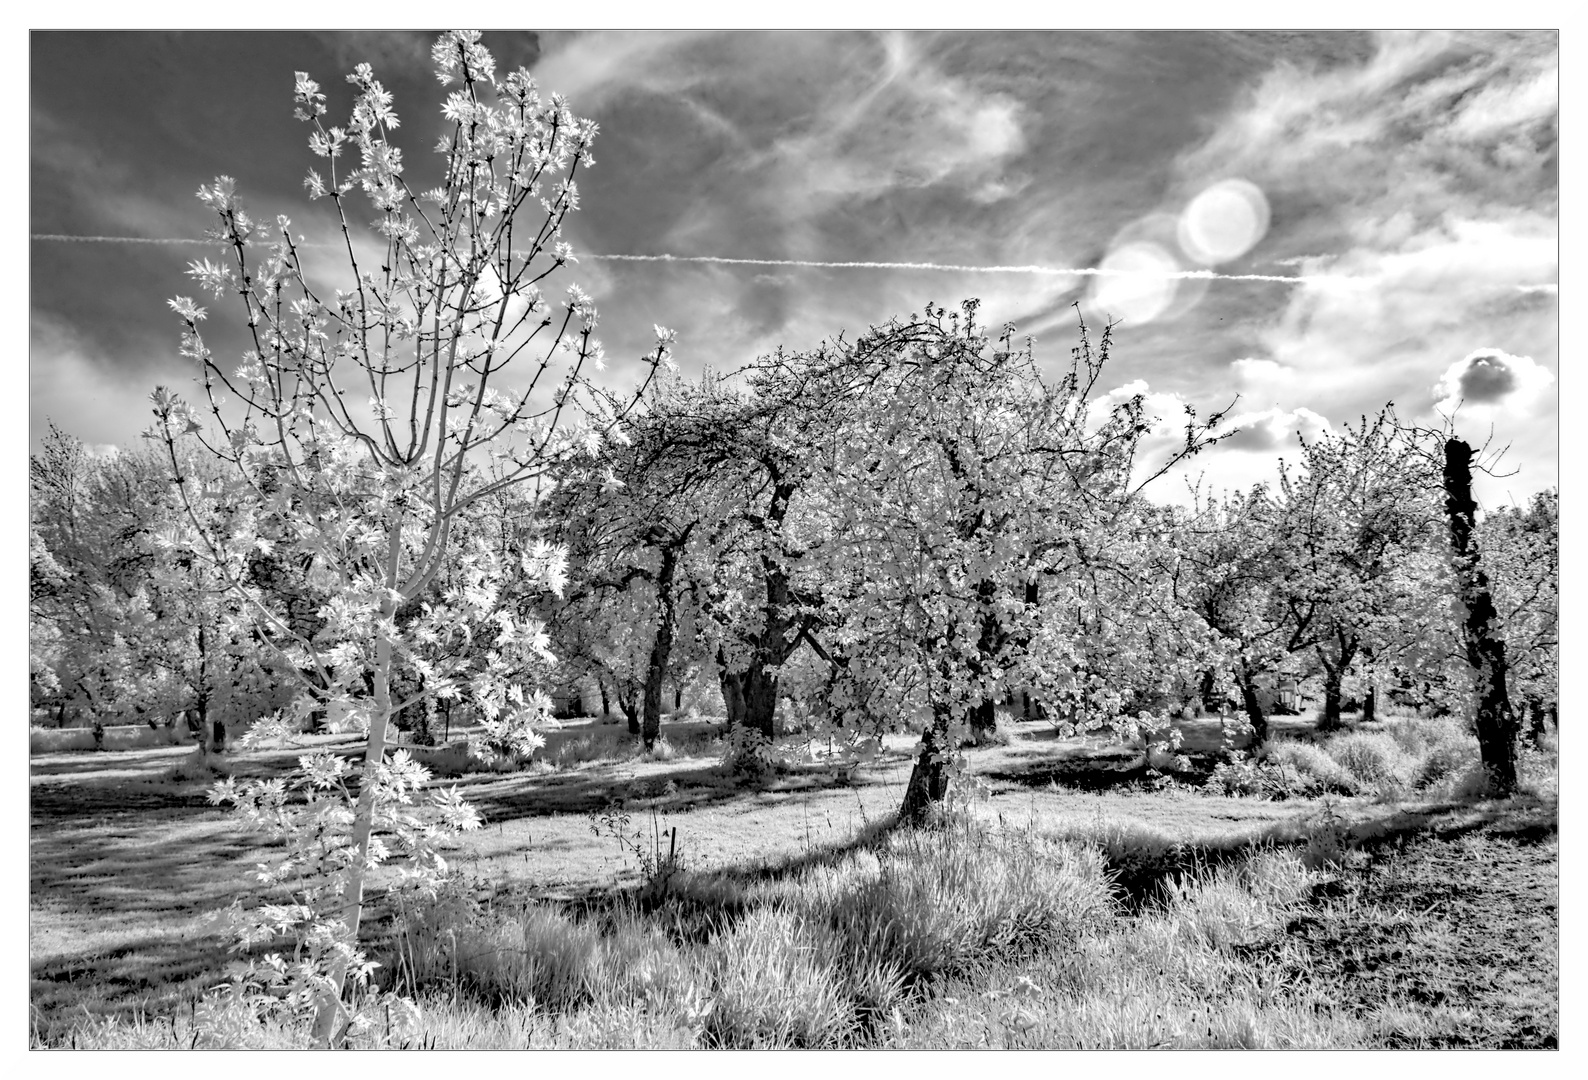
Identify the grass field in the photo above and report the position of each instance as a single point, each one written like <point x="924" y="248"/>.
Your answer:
<point x="1087" y="902"/>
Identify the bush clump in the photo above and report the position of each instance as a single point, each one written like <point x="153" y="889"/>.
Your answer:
<point x="1374" y="759"/>
<point x="1307" y="770"/>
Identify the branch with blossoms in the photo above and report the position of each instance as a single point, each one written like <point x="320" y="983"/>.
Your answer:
<point x="374" y="408"/>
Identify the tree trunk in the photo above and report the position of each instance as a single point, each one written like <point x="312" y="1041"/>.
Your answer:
<point x="606" y="703"/>
<point x="983" y="722"/>
<point x="1331" y="699"/>
<point x="760" y="701"/>
<point x="662" y="644"/>
<point x="1370" y="704"/>
<point x="329" y="1007"/>
<point x="776" y="639"/>
<point x="929" y="778"/>
<point x="1253" y="706"/>
<point x="1497" y="722"/>
<point x="1535" y="717"/>
<point x="1205" y="691"/>
<point x="630" y="708"/>
<point x="732" y="683"/>
<point x="984" y="717"/>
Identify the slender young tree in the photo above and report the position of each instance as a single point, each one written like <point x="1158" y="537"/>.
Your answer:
<point x="374" y="405"/>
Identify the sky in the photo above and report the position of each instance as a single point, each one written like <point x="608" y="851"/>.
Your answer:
<point x="1319" y="223"/>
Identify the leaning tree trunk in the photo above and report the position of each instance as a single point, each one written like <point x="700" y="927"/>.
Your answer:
<point x="928" y="784"/>
<point x="1252" y="704"/>
<point x="1485" y="650"/>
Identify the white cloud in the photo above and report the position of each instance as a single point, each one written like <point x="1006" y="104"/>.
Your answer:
<point x="1273" y="429"/>
<point x="85" y="394"/>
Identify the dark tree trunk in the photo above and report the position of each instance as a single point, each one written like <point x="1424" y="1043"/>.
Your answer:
<point x="760" y="701"/>
<point x="630" y="709"/>
<point x="1253" y="705"/>
<point x="983" y="722"/>
<point x="1205" y="691"/>
<point x="1331" y="699"/>
<point x="207" y="734"/>
<point x="606" y="703"/>
<point x="929" y="778"/>
<point x="984" y="718"/>
<point x="1497" y="722"/>
<point x="662" y="645"/>
<point x="732" y="684"/>
<point x="777" y="639"/>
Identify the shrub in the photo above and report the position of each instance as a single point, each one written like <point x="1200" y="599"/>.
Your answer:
<point x="773" y="986"/>
<point x="1243" y="776"/>
<point x="940" y="900"/>
<point x="1237" y="905"/>
<point x="535" y="953"/>
<point x="1307" y="770"/>
<point x="1373" y="758"/>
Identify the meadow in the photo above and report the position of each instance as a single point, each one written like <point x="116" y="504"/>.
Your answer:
<point x="1343" y="892"/>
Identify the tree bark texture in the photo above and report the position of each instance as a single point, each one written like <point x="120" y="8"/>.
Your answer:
<point x="1331" y="699"/>
<point x="1253" y="705"/>
<point x="1485" y="650"/>
<point x="661" y="645"/>
<point x="928" y="784"/>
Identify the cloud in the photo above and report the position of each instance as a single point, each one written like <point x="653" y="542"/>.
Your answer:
<point x="1461" y="114"/>
<point x="1273" y="429"/>
<point x="1489" y="379"/>
<point x="86" y="394"/>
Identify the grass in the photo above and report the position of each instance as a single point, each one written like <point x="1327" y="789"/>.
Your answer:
<point x="1053" y="916"/>
<point x="116" y="737"/>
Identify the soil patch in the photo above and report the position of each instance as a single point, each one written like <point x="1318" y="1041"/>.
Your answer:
<point x="1463" y="929"/>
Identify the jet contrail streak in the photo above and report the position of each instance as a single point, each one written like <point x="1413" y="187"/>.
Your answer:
<point x="1052" y="271"/>
<point x="111" y="239"/>
<point x="138" y="240"/>
<point x="722" y="260"/>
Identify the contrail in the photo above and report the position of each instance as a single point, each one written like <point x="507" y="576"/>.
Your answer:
<point x="950" y="267"/>
<point x="138" y="240"/>
<point x="111" y="239"/>
<point x="723" y="260"/>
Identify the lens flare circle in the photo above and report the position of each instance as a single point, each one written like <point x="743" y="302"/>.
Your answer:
<point x="1135" y="283"/>
<point x="1224" y="222"/>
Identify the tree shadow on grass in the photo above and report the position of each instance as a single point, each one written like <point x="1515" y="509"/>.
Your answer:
<point x="695" y="785"/>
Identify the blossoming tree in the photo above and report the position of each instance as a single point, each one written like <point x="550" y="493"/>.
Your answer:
<point x="373" y="406"/>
